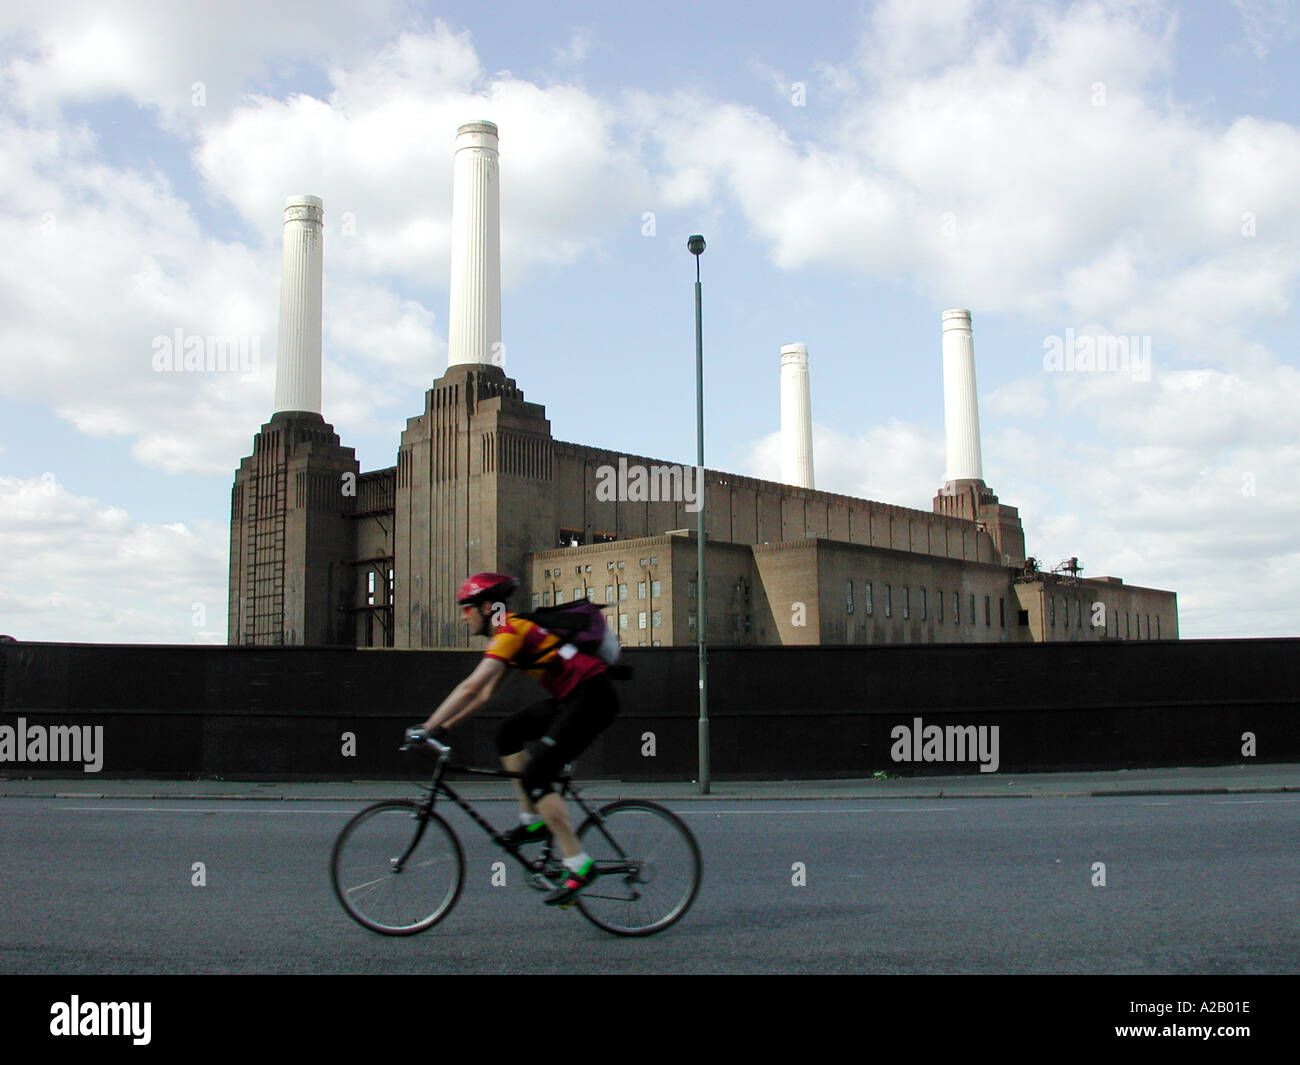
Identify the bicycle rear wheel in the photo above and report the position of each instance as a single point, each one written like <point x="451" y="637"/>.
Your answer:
<point x="649" y="867"/>
<point x="394" y="875"/>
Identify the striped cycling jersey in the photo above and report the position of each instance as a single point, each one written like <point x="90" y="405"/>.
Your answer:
<point x="557" y="666"/>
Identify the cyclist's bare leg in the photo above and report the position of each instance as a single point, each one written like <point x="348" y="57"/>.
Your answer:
<point x="551" y="806"/>
<point x="555" y="812"/>
<point x="515" y="763"/>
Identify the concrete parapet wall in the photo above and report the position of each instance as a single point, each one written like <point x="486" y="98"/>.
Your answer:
<point x="286" y="713"/>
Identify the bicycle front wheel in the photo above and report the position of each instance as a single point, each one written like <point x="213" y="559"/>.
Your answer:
<point x="649" y="866"/>
<point x="394" y="871"/>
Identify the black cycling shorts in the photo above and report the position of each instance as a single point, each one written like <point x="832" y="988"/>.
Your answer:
<point x="572" y="723"/>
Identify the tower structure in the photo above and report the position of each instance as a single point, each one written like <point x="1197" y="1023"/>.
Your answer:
<point x="964" y="493"/>
<point x="290" y="539"/>
<point x="796" y="417"/>
<point x="473" y="470"/>
<point x="474" y="317"/>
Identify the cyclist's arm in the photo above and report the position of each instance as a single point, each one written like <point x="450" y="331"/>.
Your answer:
<point x="470" y="695"/>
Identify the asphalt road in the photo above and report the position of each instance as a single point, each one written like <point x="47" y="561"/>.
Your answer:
<point x="1193" y="884"/>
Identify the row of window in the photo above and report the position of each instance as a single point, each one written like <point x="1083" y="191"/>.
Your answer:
<point x="654" y="617"/>
<point x="579" y="570"/>
<point x="1100" y="618"/>
<point x="923" y="604"/>
<point x="653" y="587"/>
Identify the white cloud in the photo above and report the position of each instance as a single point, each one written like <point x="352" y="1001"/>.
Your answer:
<point x="576" y="50"/>
<point x="78" y="569"/>
<point x="380" y="148"/>
<point x="152" y="52"/>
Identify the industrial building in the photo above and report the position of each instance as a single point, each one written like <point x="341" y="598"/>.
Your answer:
<point x="322" y="553"/>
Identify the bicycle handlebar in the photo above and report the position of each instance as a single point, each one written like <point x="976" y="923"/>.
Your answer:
<point x="427" y="743"/>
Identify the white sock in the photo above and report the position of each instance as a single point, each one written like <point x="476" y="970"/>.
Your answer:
<point x="530" y="819"/>
<point x="578" y="862"/>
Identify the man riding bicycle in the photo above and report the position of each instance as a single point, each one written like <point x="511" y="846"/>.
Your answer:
<point x="541" y="739"/>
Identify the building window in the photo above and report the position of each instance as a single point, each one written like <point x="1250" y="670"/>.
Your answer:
<point x="1051" y="614"/>
<point x="1157" y="626"/>
<point x="889" y="601"/>
<point x="640" y="619"/>
<point x="988" y="620"/>
<point x="1065" y="612"/>
<point x="609" y="593"/>
<point x="587" y="568"/>
<point x="866" y="596"/>
<point x="591" y="592"/>
<point x="1022" y="618"/>
<point x="938" y="607"/>
<point x="972" y="608"/>
<point x="655" y="593"/>
<point x="690" y="588"/>
<point x="656" y="620"/>
<point x="656" y="643"/>
<point x="577" y="594"/>
<point x="1128" y="624"/>
<point x="907" y="601"/>
<point x="1078" y="613"/>
<point x="620" y="565"/>
<point x="848" y="597"/>
<point x="559" y="596"/>
<point x="690" y="620"/>
<point x="1148" y="626"/>
<point x="654" y="561"/>
<point x="640" y="589"/>
<point x="622" y="592"/>
<point x="956" y="609"/>
<point x="643" y="562"/>
<point x="546" y="599"/>
<point x="1002" y="613"/>
<point x="923" y="604"/>
<point x="370" y="588"/>
<point x="537" y="601"/>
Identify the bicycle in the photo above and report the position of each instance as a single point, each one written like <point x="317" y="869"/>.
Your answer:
<point x="399" y="878"/>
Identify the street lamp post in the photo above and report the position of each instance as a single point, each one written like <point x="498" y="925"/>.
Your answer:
<point x="696" y="247"/>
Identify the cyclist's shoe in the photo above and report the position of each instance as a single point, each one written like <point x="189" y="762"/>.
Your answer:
<point x="573" y="883"/>
<point x="521" y="835"/>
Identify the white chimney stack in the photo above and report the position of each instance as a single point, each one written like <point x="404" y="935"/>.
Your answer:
<point x="297" y="351"/>
<point x="474" y="321"/>
<point x="796" y="417"/>
<point x="961" y="416"/>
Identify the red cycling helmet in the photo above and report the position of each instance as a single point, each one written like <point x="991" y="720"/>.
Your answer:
<point x="483" y="586"/>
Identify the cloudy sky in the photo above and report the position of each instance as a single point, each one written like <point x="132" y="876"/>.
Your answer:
<point x="1069" y="172"/>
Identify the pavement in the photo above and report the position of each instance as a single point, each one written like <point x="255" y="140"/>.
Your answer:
<point x="1259" y="778"/>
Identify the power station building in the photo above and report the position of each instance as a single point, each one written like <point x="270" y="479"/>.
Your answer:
<point x="322" y="553"/>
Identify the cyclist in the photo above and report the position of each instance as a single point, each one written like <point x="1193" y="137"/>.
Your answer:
<point x="538" y="740"/>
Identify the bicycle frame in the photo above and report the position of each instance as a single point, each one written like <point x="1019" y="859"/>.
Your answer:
<point x="440" y="787"/>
